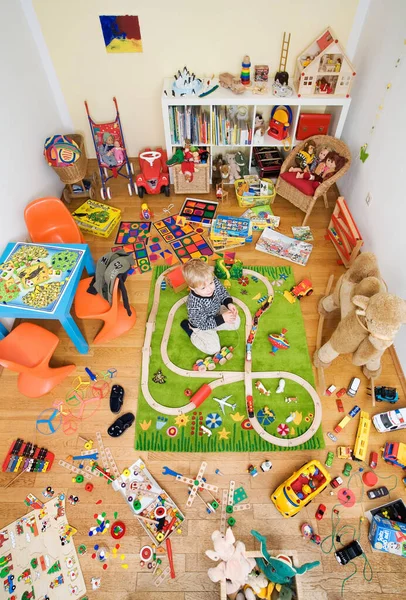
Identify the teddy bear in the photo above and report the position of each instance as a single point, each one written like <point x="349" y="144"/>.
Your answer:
<point x="234" y="169"/>
<point x="234" y="567"/>
<point x="370" y="317"/>
<point x="218" y="161"/>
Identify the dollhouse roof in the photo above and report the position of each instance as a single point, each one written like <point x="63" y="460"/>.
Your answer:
<point x="326" y="43"/>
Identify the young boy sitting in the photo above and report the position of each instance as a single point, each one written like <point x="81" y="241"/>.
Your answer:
<point x="209" y="306"/>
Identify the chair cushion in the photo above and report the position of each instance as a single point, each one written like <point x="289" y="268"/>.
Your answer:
<point x="303" y="185"/>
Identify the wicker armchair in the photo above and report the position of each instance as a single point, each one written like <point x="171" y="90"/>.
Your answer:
<point x="298" y="198"/>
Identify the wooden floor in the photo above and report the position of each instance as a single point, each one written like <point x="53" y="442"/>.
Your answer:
<point x="18" y="415"/>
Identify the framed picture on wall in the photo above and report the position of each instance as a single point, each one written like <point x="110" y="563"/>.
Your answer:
<point x="121" y="33"/>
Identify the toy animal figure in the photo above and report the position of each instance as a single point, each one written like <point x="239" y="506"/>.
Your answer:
<point x="242" y="164"/>
<point x="225" y="173"/>
<point x="305" y="157"/>
<point x="216" y="172"/>
<point x="370" y="317"/>
<point x="234" y="567"/>
<point x="234" y="170"/>
<point x="280" y="569"/>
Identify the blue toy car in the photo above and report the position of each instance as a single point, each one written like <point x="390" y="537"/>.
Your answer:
<point x="386" y="394"/>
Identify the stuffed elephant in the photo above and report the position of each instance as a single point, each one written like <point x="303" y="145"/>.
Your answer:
<point x="370" y="317"/>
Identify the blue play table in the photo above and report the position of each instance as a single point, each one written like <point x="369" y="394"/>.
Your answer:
<point x="39" y="281"/>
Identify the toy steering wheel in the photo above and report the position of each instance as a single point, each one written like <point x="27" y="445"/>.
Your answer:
<point x="150" y="156"/>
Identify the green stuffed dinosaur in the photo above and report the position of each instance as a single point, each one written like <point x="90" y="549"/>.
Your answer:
<point x="280" y="569"/>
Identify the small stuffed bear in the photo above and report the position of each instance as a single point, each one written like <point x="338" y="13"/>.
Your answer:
<point x="370" y="317"/>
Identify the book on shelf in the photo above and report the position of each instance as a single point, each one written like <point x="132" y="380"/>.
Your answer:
<point x="189" y="122"/>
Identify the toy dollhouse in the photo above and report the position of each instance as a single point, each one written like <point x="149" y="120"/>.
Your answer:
<point x="323" y="68"/>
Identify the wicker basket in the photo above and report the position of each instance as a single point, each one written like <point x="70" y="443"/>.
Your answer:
<point x="77" y="170"/>
<point x="200" y="183"/>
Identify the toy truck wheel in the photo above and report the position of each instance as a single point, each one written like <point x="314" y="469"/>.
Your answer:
<point x="130" y="189"/>
<point x="309" y="293"/>
<point x="141" y="191"/>
<point x="167" y="191"/>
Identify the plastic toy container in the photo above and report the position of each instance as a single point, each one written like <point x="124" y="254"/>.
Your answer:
<point x="248" y="201"/>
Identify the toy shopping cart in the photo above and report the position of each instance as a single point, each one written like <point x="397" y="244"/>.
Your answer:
<point x="111" y="153"/>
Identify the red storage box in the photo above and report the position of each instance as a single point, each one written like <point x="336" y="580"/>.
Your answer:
<point x="312" y="124"/>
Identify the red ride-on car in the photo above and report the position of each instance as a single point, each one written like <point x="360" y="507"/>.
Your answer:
<point x="154" y="176"/>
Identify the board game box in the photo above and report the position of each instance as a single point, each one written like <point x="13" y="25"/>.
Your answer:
<point x="261" y="217"/>
<point x="388" y="536"/>
<point x="97" y="218"/>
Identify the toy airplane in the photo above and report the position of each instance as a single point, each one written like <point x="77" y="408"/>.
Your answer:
<point x="223" y="402"/>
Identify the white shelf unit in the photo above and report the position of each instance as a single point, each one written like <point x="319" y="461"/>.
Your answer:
<point x="257" y="103"/>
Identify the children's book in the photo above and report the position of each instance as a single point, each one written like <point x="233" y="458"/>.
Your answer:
<point x="282" y="246"/>
<point x="303" y="234"/>
<point x="261" y="217"/>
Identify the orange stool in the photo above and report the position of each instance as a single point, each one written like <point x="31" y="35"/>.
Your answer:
<point x="115" y="317"/>
<point x="28" y="349"/>
<point x="49" y="221"/>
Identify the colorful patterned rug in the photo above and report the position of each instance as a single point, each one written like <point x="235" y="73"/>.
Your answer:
<point x="286" y="415"/>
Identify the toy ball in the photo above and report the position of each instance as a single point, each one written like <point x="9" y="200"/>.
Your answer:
<point x="306" y="489"/>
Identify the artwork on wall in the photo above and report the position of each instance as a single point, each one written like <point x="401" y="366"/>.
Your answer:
<point x="121" y="33"/>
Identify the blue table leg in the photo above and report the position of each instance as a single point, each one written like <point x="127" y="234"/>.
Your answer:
<point x="74" y="333"/>
<point x="89" y="262"/>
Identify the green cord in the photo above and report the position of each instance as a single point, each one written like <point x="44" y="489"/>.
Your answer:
<point x="345" y="530"/>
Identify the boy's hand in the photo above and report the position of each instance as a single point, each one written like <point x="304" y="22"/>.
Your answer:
<point x="233" y="310"/>
<point x="228" y="316"/>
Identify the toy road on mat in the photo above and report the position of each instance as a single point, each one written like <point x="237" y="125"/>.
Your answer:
<point x="167" y="420"/>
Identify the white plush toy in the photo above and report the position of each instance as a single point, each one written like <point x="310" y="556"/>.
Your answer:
<point x="234" y="566"/>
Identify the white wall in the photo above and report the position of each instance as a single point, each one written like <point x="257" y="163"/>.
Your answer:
<point x="28" y="115"/>
<point x="383" y="223"/>
<point x="209" y="37"/>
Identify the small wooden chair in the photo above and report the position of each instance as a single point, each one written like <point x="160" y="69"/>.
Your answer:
<point x="115" y="317"/>
<point x="27" y="349"/>
<point x="300" y="199"/>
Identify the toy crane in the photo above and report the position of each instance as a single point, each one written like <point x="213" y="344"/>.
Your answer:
<point x="197" y="484"/>
<point x="228" y="508"/>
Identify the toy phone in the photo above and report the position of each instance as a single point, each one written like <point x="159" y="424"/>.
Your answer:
<point x="279" y="123"/>
<point x="349" y="552"/>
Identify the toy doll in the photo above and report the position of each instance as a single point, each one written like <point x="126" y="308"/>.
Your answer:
<point x="304" y="158"/>
<point x="324" y="170"/>
<point x="106" y="150"/>
<point x="321" y="155"/>
<point x="196" y="155"/>
<point x="118" y="152"/>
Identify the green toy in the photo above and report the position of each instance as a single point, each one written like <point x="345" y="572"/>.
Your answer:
<point x="242" y="162"/>
<point x="177" y="158"/>
<point x="279" y="569"/>
<point x="222" y="272"/>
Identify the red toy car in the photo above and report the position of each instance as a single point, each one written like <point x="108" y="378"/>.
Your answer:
<point x="320" y="512"/>
<point x="336" y="482"/>
<point x="373" y="460"/>
<point x="154" y="176"/>
<point x="341" y="392"/>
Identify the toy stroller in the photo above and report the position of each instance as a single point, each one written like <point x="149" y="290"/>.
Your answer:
<point x="108" y="139"/>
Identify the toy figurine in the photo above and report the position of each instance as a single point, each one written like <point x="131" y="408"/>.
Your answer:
<point x="242" y="164"/>
<point x="118" y="152"/>
<point x="146" y="213"/>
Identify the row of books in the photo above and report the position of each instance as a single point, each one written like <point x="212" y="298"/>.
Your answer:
<point x="230" y="232"/>
<point x="189" y="122"/>
<point x="228" y="130"/>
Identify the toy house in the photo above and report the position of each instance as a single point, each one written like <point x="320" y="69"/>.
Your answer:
<point x="176" y="280"/>
<point x="323" y="68"/>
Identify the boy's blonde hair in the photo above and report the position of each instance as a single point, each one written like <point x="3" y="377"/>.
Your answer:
<point x="197" y="272"/>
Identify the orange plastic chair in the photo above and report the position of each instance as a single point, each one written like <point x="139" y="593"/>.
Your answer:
<point x="115" y="317"/>
<point x="27" y="349"/>
<point x="49" y="221"/>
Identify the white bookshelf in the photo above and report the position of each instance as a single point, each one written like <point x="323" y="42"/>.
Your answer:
<point x="256" y="103"/>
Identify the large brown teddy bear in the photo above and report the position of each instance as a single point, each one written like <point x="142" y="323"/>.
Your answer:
<point x="370" y="317"/>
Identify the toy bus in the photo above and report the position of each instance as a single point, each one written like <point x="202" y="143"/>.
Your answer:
<point x="395" y="453"/>
<point x="361" y="441"/>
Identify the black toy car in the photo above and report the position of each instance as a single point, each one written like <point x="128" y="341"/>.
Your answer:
<point x="349" y="552"/>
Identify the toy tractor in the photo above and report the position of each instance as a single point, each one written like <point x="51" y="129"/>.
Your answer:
<point x="304" y="288"/>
